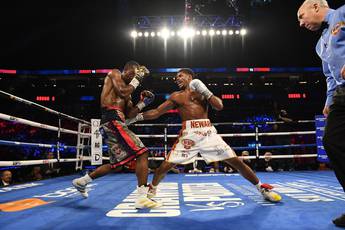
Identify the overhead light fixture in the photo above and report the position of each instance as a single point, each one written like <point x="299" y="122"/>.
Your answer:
<point x="134" y="34"/>
<point x="211" y="32"/>
<point x="165" y="33"/>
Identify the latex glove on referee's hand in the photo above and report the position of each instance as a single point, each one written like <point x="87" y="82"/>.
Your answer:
<point x="146" y="98"/>
<point x="138" y="117"/>
<point x="140" y="74"/>
<point x="198" y="86"/>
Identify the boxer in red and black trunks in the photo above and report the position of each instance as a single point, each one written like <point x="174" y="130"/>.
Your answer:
<point x="123" y="144"/>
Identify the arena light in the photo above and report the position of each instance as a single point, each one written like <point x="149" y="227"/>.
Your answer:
<point x="165" y="33"/>
<point x="134" y="34"/>
<point x="211" y="32"/>
<point x="187" y="32"/>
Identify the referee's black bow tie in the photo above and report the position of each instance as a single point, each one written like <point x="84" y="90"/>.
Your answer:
<point x="324" y="25"/>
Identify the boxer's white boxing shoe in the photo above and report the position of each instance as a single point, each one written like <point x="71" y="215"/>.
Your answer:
<point x="268" y="194"/>
<point x="80" y="185"/>
<point x="143" y="201"/>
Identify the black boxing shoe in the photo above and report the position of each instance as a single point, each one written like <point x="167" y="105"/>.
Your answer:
<point x="340" y="221"/>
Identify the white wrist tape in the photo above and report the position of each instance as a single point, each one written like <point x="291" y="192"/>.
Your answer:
<point x="141" y="105"/>
<point x="135" y="83"/>
<point x="208" y="94"/>
<point x="139" y="117"/>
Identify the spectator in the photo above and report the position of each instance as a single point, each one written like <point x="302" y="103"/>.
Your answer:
<point x="247" y="161"/>
<point x="267" y="164"/>
<point x="50" y="169"/>
<point x="36" y="173"/>
<point x="6" y="178"/>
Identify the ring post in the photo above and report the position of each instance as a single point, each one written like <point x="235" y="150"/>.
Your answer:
<point x="58" y="140"/>
<point x="257" y="141"/>
<point x="165" y="141"/>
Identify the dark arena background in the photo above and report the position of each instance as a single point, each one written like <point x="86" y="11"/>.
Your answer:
<point x="252" y="54"/>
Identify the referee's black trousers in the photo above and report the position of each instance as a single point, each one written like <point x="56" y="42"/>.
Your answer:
<point x="334" y="136"/>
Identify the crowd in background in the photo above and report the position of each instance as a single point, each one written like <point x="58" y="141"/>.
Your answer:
<point x="19" y="174"/>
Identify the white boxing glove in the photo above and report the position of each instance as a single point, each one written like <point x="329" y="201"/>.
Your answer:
<point x="138" y="117"/>
<point x="198" y="86"/>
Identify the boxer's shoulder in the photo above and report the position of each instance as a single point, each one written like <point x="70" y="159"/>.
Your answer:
<point x="114" y="73"/>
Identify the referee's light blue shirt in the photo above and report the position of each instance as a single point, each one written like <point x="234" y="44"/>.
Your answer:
<point x="331" y="49"/>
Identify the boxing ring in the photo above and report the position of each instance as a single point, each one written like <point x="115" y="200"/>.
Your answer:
<point x="191" y="201"/>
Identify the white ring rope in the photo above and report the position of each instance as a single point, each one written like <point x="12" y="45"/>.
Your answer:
<point x="85" y="158"/>
<point x="41" y="145"/>
<point x="227" y="123"/>
<point x="35" y="162"/>
<point x="289" y="156"/>
<point x="13" y="97"/>
<point x="287" y="133"/>
<point x="273" y="156"/>
<point x="39" y="125"/>
<point x="235" y="134"/>
<point x="53" y="128"/>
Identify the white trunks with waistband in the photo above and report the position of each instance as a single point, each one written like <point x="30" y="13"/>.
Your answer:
<point x="199" y="136"/>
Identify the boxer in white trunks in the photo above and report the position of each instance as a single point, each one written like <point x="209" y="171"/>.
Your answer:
<point x="198" y="135"/>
